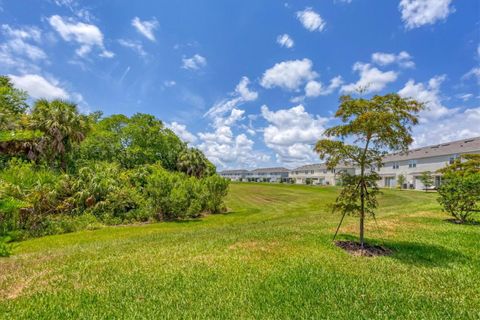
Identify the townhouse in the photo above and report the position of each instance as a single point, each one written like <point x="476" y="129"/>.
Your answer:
<point x="277" y="174"/>
<point x="431" y="158"/>
<point x="411" y="165"/>
<point x="319" y="174"/>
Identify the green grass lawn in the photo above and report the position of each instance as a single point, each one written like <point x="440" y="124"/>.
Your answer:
<point x="271" y="256"/>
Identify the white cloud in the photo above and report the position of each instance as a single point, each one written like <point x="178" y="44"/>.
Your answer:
<point x="25" y="33"/>
<point x="241" y="95"/>
<point x="371" y="79"/>
<point x="234" y="116"/>
<point x="285" y="40"/>
<point x="75" y="7"/>
<point x="465" y="96"/>
<point x="221" y="146"/>
<point x="311" y="20"/>
<point x="226" y="150"/>
<point x="288" y="75"/>
<point x="291" y="133"/>
<point x="403" y="59"/>
<point x="242" y="90"/>
<point x="428" y="94"/>
<point x="169" y="83"/>
<point x="416" y="13"/>
<point x="86" y="35"/>
<point x="315" y="88"/>
<point x="146" y="27"/>
<point x="39" y="87"/>
<point x="181" y="131"/>
<point x="459" y="125"/>
<point x="135" y="46"/>
<point x="473" y="73"/>
<point x="17" y="51"/>
<point x="194" y="63"/>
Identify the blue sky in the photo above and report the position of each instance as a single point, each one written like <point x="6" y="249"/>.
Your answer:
<point x="251" y="83"/>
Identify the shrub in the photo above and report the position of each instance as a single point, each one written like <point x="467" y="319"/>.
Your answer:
<point x="5" y="246"/>
<point x="460" y="192"/>
<point x="216" y="189"/>
<point x="460" y="196"/>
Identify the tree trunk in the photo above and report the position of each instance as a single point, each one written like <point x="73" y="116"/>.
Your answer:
<point x="362" y="217"/>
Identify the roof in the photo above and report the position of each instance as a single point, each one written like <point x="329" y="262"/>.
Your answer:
<point x="320" y="166"/>
<point x="239" y="171"/>
<point x="454" y="147"/>
<point x="271" y="170"/>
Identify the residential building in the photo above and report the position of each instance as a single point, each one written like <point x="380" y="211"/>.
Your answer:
<point x="319" y="174"/>
<point x="431" y="158"/>
<point x="411" y="165"/>
<point x="276" y="174"/>
<point x="234" y="175"/>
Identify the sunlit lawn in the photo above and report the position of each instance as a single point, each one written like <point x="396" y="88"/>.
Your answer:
<point x="271" y="256"/>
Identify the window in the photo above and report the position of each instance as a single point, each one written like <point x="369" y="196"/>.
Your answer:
<point x="412" y="163"/>
<point x="453" y="158"/>
<point x="395" y="165"/>
<point x="312" y="172"/>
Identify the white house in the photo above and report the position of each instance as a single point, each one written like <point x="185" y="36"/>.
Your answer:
<point x="431" y="158"/>
<point x="319" y="174"/>
<point x="258" y="175"/>
<point x="234" y="175"/>
<point x="411" y="165"/>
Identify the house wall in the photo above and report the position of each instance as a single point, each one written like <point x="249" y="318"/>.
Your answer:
<point x="318" y="176"/>
<point x="390" y="174"/>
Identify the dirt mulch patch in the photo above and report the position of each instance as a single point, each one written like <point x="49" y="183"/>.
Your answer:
<point x="355" y="249"/>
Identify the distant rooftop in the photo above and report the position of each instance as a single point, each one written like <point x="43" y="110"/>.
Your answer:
<point x="267" y="170"/>
<point x="459" y="146"/>
<point x="455" y="147"/>
<point x="239" y="171"/>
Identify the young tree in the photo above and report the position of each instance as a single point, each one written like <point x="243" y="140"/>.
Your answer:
<point x="427" y="180"/>
<point x="459" y="194"/>
<point x="401" y="181"/>
<point x="375" y="126"/>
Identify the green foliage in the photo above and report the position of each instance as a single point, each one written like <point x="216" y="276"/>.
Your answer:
<point x="459" y="193"/>
<point x="194" y="163"/>
<point x="377" y="125"/>
<point x="139" y="140"/>
<point x="427" y="180"/>
<point x="5" y="246"/>
<point x="12" y="104"/>
<point x="401" y="181"/>
<point x="62" y="127"/>
<point x="350" y="201"/>
<point x="216" y="190"/>
<point x="62" y="171"/>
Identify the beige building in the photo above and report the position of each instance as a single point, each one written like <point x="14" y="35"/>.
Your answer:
<point x="318" y="174"/>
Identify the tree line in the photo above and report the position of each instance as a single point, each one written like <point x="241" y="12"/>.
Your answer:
<point x="61" y="170"/>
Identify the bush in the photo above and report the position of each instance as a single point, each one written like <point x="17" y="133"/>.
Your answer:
<point x="460" y="196"/>
<point x="5" y="246"/>
<point x="216" y="189"/>
<point x="36" y="201"/>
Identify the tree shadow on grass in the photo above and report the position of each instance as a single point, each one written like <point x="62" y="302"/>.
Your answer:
<point x="417" y="253"/>
<point x="425" y="254"/>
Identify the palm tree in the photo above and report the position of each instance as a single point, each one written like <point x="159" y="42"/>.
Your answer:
<point x="62" y="127"/>
<point x="194" y="163"/>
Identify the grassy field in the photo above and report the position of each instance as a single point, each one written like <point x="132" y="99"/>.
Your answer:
<point x="271" y="256"/>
